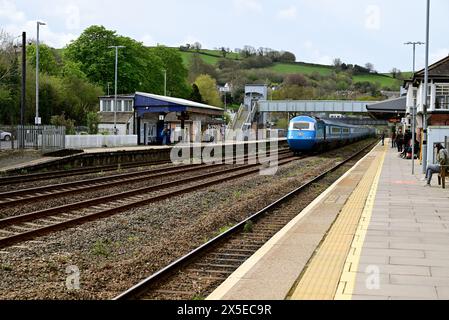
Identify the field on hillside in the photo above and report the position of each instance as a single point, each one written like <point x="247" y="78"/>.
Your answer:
<point x="289" y="68"/>
<point x="384" y="81"/>
<point x="213" y="56"/>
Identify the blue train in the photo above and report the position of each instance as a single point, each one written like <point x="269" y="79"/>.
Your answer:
<point x="308" y="133"/>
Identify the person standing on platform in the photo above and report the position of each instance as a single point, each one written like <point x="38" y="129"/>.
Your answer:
<point x="393" y="140"/>
<point x="383" y="138"/>
<point x="400" y="142"/>
<point x="443" y="160"/>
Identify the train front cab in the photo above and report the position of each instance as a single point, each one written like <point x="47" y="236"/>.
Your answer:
<point x="301" y="135"/>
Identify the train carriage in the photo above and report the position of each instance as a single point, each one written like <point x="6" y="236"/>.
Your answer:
<point x="307" y="133"/>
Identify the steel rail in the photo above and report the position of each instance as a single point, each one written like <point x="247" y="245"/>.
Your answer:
<point x="8" y="199"/>
<point x="141" y="288"/>
<point x="28" y="235"/>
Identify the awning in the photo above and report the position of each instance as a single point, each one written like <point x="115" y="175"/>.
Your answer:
<point x="151" y="103"/>
<point x="389" y="109"/>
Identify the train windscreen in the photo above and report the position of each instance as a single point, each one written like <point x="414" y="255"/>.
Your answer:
<point x="302" y="126"/>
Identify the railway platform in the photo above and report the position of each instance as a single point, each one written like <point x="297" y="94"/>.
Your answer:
<point x="376" y="234"/>
<point x="112" y="156"/>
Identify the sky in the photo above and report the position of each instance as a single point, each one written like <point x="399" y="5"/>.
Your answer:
<point x="317" y="31"/>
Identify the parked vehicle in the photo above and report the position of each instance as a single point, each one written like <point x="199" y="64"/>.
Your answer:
<point x="5" y="136"/>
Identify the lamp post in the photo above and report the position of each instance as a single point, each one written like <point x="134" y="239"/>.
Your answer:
<point x="165" y="82"/>
<point x="37" y="120"/>
<point x="426" y="88"/>
<point x="414" y="44"/>
<point x="116" y="76"/>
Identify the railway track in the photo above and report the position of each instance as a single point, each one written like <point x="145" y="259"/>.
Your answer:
<point x="17" y="197"/>
<point x="28" y="226"/>
<point x="9" y="180"/>
<point x="197" y="274"/>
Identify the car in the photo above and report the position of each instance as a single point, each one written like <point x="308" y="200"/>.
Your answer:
<point x="5" y="136"/>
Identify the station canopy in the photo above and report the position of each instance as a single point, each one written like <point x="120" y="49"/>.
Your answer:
<point x="392" y="110"/>
<point x="152" y="103"/>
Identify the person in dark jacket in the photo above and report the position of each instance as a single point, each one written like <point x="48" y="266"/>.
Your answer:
<point x="393" y="140"/>
<point x="400" y="142"/>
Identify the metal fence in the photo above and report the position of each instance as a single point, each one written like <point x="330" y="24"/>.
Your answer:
<point x="44" y="138"/>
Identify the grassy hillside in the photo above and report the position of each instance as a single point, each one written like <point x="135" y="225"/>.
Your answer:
<point x="213" y="56"/>
<point x="304" y="68"/>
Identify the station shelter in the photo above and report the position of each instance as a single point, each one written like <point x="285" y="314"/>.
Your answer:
<point x="392" y="110"/>
<point x="185" y="120"/>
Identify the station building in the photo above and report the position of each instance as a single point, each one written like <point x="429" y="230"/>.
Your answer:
<point x="147" y="115"/>
<point x="124" y="116"/>
<point x="437" y="95"/>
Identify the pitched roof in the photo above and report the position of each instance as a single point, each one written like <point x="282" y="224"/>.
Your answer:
<point x="173" y="101"/>
<point x="439" y="69"/>
<point x="398" y="105"/>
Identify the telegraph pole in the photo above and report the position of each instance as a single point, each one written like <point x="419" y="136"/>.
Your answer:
<point x="426" y="89"/>
<point x="116" y="77"/>
<point x="37" y="120"/>
<point x="414" y="106"/>
<point x="24" y="76"/>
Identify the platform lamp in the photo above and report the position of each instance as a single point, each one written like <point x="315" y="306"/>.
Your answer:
<point x="116" y="76"/>
<point x="414" y="44"/>
<point x="426" y="88"/>
<point x="37" y="119"/>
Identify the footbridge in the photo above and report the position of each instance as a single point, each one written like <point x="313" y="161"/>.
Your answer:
<point x="315" y="106"/>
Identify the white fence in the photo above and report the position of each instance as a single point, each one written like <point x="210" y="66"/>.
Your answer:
<point x="99" y="141"/>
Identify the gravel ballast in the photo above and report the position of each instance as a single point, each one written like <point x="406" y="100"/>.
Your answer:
<point x="114" y="254"/>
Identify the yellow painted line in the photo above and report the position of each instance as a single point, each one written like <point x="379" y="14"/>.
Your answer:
<point x="349" y="276"/>
<point x="321" y="280"/>
<point x="227" y="287"/>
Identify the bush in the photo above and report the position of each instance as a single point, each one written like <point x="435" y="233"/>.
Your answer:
<point x="61" y="121"/>
<point x="93" y="120"/>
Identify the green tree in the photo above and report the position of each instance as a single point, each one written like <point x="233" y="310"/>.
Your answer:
<point x="63" y="122"/>
<point x="49" y="60"/>
<point x="198" y="67"/>
<point x="208" y="89"/>
<point x="139" y="68"/>
<point x="93" y="120"/>
<point x="196" y="95"/>
<point x="177" y="73"/>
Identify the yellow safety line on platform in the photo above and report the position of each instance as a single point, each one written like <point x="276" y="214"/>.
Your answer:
<point x="322" y="277"/>
<point x="349" y="276"/>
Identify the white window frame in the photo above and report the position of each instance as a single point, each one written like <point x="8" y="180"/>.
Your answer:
<point x="442" y="90"/>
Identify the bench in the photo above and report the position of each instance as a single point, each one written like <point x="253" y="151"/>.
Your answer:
<point x="442" y="176"/>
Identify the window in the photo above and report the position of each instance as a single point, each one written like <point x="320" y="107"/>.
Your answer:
<point x="336" y="130"/>
<point x="119" y="106"/>
<point x="415" y="97"/>
<point x="302" y="126"/>
<point x="107" y="105"/>
<point x="346" y="131"/>
<point x="128" y="106"/>
<point x="442" y="96"/>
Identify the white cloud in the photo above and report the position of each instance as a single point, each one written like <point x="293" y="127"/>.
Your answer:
<point x="373" y="18"/>
<point x="9" y="11"/>
<point x="73" y="17"/>
<point x="247" y="6"/>
<point x="315" y="55"/>
<point x="148" y="40"/>
<point x="288" y="13"/>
